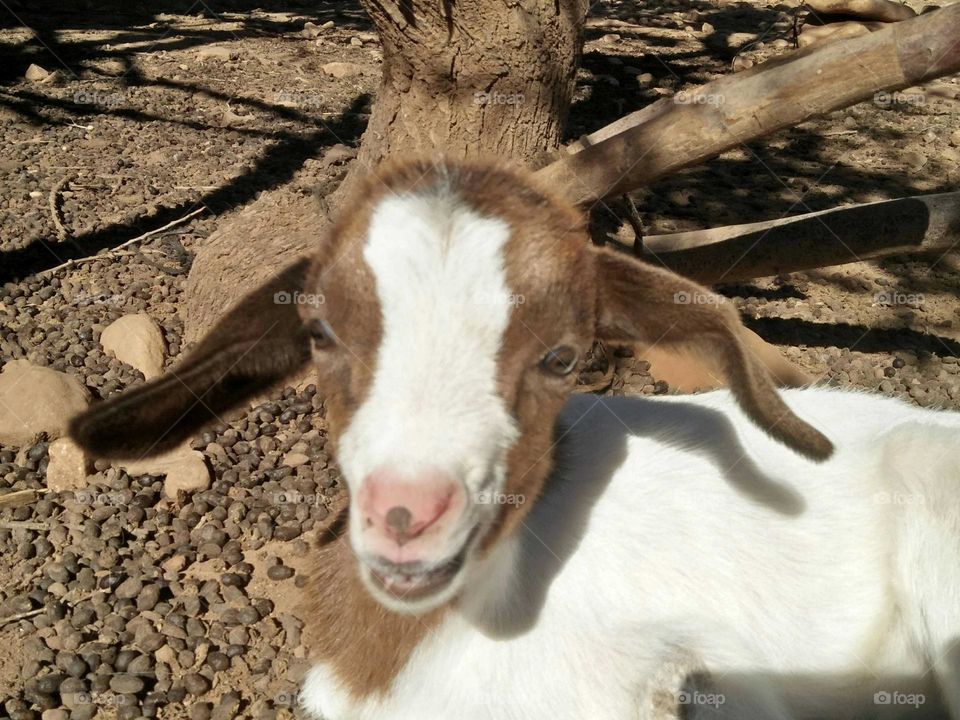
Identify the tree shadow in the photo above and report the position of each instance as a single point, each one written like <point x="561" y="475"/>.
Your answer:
<point x="794" y="331"/>
<point x="274" y="167"/>
<point x="148" y="22"/>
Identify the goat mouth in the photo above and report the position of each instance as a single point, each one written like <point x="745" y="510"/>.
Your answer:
<point x="411" y="581"/>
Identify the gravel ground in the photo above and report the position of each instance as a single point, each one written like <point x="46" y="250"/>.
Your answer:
<point x="119" y="603"/>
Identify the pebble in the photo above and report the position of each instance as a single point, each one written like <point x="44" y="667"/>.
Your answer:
<point x="68" y="466"/>
<point x="216" y="52"/>
<point x="196" y="684"/>
<point x="342" y="70"/>
<point x="129" y="588"/>
<point x="125" y="683"/>
<point x="280" y="572"/>
<point x="138" y="341"/>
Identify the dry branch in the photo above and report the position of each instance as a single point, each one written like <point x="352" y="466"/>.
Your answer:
<point x="127" y="243"/>
<point x="815" y="35"/>
<point x="740" y="108"/>
<point x="924" y="224"/>
<point x="882" y="10"/>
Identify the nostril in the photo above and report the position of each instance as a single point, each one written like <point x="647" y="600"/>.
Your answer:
<point x="400" y="509"/>
<point x="398" y="521"/>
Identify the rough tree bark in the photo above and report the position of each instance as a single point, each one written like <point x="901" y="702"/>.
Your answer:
<point x="471" y="78"/>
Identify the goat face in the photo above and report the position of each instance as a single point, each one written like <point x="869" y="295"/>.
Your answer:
<point x="446" y="312"/>
<point x="451" y="363"/>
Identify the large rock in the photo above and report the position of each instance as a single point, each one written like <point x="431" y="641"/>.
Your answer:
<point x="138" y="341"/>
<point x="36" y="399"/>
<point x="68" y="466"/>
<point x="185" y="470"/>
<point x="35" y="73"/>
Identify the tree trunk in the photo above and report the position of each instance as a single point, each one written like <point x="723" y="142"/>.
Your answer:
<point x="471" y="78"/>
<point x="475" y="78"/>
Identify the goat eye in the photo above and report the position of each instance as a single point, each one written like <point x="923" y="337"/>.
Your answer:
<point x="559" y="361"/>
<point x="320" y="333"/>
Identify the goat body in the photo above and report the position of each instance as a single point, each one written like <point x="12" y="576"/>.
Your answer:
<point x="672" y="529"/>
<point x="490" y="571"/>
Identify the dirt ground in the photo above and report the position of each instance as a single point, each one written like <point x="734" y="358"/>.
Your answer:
<point x="132" y="606"/>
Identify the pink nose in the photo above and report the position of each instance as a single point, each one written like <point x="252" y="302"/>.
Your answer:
<point x="401" y="509"/>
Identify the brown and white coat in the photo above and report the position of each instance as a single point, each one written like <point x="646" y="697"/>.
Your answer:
<point x="511" y="552"/>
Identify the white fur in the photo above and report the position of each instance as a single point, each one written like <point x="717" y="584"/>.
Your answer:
<point x="674" y="528"/>
<point x="433" y="402"/>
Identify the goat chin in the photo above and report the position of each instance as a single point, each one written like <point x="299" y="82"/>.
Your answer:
<point x="679" y="557"/>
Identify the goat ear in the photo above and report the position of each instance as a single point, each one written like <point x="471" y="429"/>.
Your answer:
<point x="261" y="341"/>
<point x="641" y="303"/>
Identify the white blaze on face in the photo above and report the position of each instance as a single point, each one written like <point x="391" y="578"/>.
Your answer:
<point x="441" y="283"/>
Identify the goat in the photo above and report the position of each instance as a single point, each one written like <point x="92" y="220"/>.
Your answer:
<point x="512" y="552"/>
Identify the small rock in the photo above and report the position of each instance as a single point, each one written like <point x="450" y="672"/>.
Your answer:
<point x="915" y="159"/>
<point x="707" y="29"/>
<point x="68" y="466"/>
<point x="136" y="340"/>
<point x="228" y="706"/>
<point x="294" y="459"/>
<point x="35" y="73"/>
<point x="356" y="42"/>
<point x="124" y="683"/>
<point x="216" y="52"/>
<point x="196" y="684"/>
<point x="310" y="30"/>
<point x="37" y="399"/>
<point x="955" y="138"/>
<point x="280" y="572"/>
<point x="338" y="154"/>
<point x="184" y="468"/>
<point x="341" y="70"/>
<point x="129" y="589"/>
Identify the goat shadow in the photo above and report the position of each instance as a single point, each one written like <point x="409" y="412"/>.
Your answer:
<point x="557" y="523"/>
